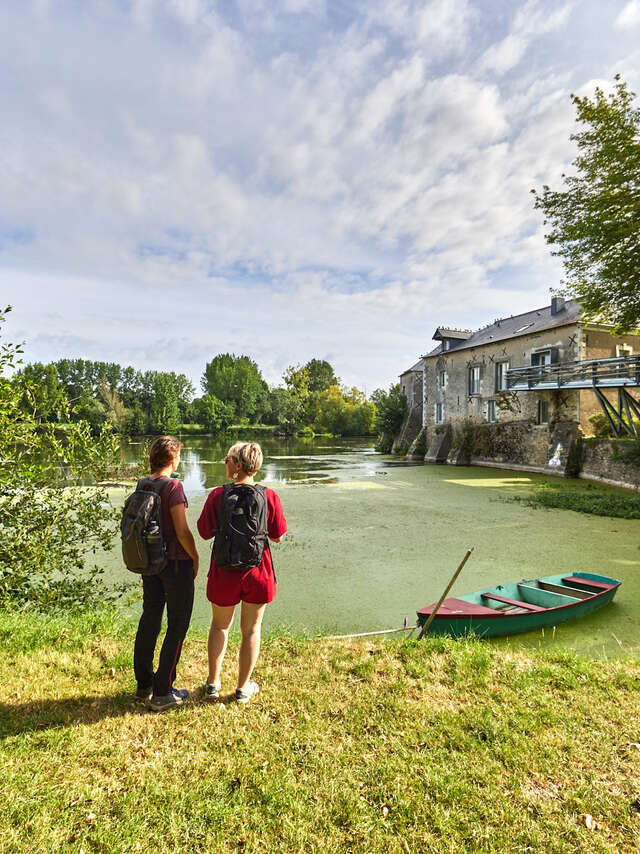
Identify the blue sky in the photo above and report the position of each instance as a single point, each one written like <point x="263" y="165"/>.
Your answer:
<point x="285" y="178"/>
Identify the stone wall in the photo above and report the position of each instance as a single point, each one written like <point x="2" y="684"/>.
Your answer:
<point x="518" y="444"/>
<point x="409" y="430"/>
<point x="598" y="464"/>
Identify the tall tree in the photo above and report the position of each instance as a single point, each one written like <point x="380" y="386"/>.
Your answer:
<point x="235" y="380"/>
<point x="391" y="410"/>
<point x="165" y="414"/>
<point x="595" y="220"/>
<point x="321" y="375"/>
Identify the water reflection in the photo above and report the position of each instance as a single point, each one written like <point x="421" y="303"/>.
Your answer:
<point x="293" y="461"/>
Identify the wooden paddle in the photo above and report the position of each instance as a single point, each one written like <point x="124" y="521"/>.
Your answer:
<point x="444" y="595"/>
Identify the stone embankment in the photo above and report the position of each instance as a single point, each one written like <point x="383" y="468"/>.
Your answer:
<point x="557" y="449"/>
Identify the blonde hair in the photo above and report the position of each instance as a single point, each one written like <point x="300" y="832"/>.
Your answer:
<point x="248" y="454"/>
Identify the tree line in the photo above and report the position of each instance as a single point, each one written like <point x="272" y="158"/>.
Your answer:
<point x="133" y="402"/>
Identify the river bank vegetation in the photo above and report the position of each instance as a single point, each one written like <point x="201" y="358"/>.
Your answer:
<point x="360" y="746"/>
<point x="133" y="402"/>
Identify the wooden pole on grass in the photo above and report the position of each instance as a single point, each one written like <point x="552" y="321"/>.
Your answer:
<point x="444" y="595"/>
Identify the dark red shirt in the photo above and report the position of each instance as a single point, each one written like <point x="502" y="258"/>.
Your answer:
<point x="172" y="493"/>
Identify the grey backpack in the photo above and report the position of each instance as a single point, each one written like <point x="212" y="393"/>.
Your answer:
<point x="143" y="547"/>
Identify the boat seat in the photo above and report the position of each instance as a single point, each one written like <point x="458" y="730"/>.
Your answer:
<point x="587" y="582"/>
<point x="526" y="605"/>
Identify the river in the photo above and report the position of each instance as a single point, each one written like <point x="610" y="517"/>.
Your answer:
<point x="372" y="538"/>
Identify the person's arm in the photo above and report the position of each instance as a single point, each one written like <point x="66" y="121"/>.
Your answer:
<point x="207" y="523"/>
<point x="184" y="535"/>
<point x="276" y="523"/>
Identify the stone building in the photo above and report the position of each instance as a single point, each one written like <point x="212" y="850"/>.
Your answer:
<point x="465" y="379"/>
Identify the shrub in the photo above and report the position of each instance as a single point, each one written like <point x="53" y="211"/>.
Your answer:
<point x="50" y="524"/>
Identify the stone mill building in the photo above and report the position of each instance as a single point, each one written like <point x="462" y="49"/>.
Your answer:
<point x="519" y="391"/>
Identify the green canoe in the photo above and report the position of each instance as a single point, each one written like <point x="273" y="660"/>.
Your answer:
<point x="522" y="606"/>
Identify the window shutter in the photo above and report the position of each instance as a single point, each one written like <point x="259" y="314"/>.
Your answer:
<point x="554" y="356"/>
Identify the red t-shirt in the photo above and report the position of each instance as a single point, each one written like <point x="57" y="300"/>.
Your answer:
<point x="276" y="523"/>
<point x="172" y="493"/>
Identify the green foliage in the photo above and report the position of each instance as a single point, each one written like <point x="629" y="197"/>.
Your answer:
<point x="212" y="414"/>
<point x="589" y="500"/>
<point x="602" y="427"/>
<point x="391" y="410"/>
<point x="286" y="410"/>
<point x="104" y="394"/>
<point x="48" y="525"/>
<point x="321" y="375"/>
<point x="165" y="413"/>
<point x="595" y="220"/>
<point x="344" y="413"/>
<point x="296" y="378"/>
<point x="236" y="381"/>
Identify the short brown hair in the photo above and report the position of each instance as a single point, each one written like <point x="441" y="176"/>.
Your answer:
<point x="162" y="451"/>
<point x="248" y="454"/>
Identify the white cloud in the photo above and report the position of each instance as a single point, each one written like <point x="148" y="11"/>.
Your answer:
<point x="532" y="20"/>
<point x="629" y="17"/>
<point x="345" y="170"/>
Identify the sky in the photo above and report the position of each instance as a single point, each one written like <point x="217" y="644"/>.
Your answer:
<point x="285" y="179"/>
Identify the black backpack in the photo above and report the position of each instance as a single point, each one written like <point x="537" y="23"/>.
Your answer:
<point x="143" y="547"/>
<point x="241" y="536"/>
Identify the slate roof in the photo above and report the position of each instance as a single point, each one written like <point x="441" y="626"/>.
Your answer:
<point x="442" y="332"/>
<point x="417" y="368"/>
<point x="538" y="320"/>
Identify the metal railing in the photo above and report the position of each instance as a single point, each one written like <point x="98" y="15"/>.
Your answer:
<point x="611" y="373"/>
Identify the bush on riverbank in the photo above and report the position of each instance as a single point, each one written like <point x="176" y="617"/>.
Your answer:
<point x="359" y="746"/>
<point x="48" y="526"/>
<point x="589" y="500"/>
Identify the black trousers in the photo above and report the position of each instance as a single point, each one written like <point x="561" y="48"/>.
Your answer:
<point x="173" y="587"/>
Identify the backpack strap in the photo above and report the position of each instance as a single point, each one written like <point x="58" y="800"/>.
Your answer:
<point x="152" y="484"/>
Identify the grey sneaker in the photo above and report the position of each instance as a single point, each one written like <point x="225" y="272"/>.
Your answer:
<point x="163" y="704"/>
<point x="244" y="695"/>
<point x="211" y="691"/>
<point x="180" y="694"/>
<point x="143" y="694"/>
<point x="175" y="698"/>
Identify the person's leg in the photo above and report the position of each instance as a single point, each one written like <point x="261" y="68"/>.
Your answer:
<point x="178" y="588"/>
<point x="250" y="623"/>
<point x="221" y="618"/>
<point x="153" y="601"/>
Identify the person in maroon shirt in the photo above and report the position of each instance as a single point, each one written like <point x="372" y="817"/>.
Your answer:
<point x="172" y="587"/>
<point x="255" y="587"/>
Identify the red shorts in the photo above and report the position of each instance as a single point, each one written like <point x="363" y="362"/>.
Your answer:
<point x="228" y="587"/>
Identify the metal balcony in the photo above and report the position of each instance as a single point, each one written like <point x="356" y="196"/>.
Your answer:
<point x="604" y="373"/>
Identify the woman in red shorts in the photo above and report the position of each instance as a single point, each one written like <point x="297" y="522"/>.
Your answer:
<point x="226" y="587"/>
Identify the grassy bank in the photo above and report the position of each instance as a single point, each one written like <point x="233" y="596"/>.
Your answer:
<point x="366" y="745"/>
<point x="589" y="499"/>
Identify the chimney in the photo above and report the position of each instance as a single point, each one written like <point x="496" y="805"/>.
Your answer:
<point x="557" y="305"/>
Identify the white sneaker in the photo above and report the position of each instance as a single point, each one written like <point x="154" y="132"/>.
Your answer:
<point x="244" y="695"/>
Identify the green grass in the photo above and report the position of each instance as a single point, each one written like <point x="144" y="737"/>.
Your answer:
<point x="588" y="500"/>
<point x="366" y="746"/>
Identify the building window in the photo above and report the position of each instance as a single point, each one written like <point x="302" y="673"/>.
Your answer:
<point x="492" y="411"/>
<point x="474" y="380"/>
<point x="438" y="413"/>
<point x="446" y="344"/>
<point x="442" y="378"/>
<point x="624" y="350"/>
<point x="501" y="376"/>
<point x="541" y="359"/>
<point x="543" y="412"/>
